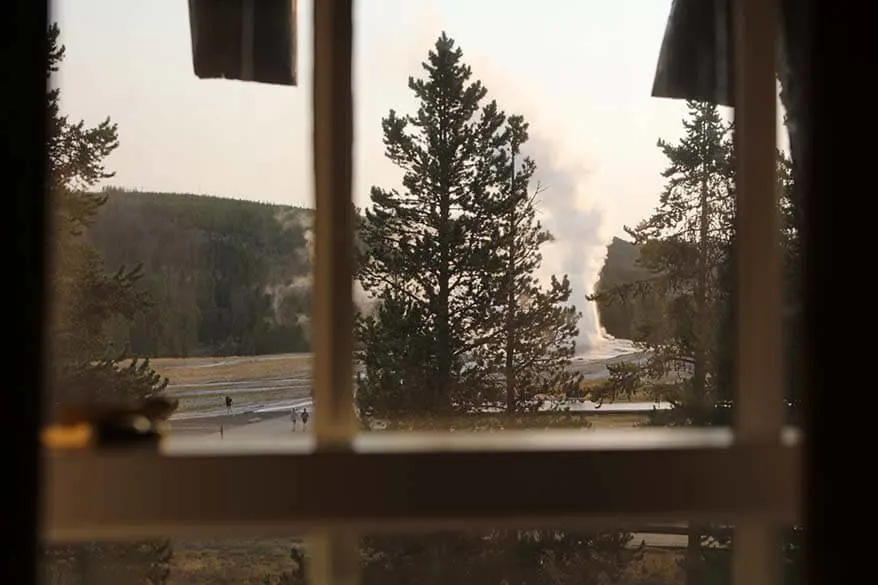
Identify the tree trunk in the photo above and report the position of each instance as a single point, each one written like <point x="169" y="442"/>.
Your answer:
<point x="510" y="301"/>
<point x="702" y="322"/>
<point x="699" y="374"/>
<point x="443" y="326"/>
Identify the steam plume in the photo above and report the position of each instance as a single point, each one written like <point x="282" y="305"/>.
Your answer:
<point x="578" y="225"/>
<point x="567" y="205"/>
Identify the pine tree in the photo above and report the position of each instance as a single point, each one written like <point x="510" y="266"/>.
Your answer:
<point x="703" y="333"/>
<point x="686" y="243"/>
<point x="532" y="331"/>
<point x="85" y="297"/>
<point x="427" y="249"/>
<point x="396" y="345"/>
<point x="84" y="366"/>
<point x="450" y="261"/>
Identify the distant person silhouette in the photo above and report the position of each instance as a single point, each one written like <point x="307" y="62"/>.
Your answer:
<point x="305" y="417"/>
<point x="229" y="404"/>
<point x="294" y="417"/>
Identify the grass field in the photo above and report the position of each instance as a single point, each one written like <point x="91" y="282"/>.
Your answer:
<point x="249" y="562"/>
<point x="616" y="421"/>
<point x="232" y="369"/>
<point x="200" y="385"/>
<point x="203" y="371"/>
<point x="229" y="561"/>
<point x="238" y="368"/>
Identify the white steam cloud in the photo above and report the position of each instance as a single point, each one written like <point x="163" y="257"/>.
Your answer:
<point x="578" y="225"/>
<point x="294" y="219"/>
<point x="568" y="206"/>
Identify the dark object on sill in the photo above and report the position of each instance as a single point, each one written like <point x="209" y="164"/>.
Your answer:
<point x="115" y="425"/>
<point x="126" y="431"/>
<point x="246" y="40"/>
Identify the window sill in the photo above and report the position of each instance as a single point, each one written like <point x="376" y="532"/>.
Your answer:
<point x="402" y="481"/>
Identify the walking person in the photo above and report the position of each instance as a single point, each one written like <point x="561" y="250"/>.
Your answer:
<point x="228" y="404"/>
<point x="305" y="417"/>
<point x="294" y="417"/>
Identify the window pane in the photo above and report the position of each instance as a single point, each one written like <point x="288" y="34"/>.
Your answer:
<point x="462" y="325"/>
<point x="183" y="225"/>
<point x="647" y="555"/>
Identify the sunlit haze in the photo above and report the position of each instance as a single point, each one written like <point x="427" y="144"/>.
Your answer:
<point x="580" y="72"/>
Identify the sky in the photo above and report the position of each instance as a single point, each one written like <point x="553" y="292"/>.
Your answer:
<point x="580" y="72"/>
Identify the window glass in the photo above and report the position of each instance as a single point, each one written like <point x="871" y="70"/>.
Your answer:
<point x="543" y="242"/>
<point x="182" y="228"/>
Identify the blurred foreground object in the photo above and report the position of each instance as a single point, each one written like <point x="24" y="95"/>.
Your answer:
<point x="119" y="425"/>
<point x="247" y="40"/>
<point x="695" y="62"/>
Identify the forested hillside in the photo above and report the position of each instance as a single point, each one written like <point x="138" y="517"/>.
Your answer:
<point x="232" y="277"/>
<point x="225" y="276"/>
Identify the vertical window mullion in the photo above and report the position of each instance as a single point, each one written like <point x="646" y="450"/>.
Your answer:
<point x="759" y="401"/>
<point x="332" y="343"/>
<point x="759" y="392"/>
<point x="334" y="554"/>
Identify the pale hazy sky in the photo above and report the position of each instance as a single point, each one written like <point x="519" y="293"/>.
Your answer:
<point x="581" y="72"/>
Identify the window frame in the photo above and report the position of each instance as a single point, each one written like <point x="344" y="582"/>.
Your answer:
<point x="749" y="475"/>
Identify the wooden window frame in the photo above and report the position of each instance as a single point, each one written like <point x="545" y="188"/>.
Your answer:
<point x="337" y="483"/>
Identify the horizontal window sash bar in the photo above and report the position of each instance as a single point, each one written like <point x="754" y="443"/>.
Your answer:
<point x="644" y="438"/>
<point x="100" y="495"/>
